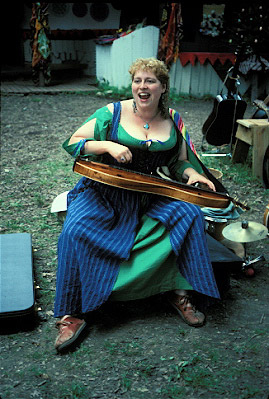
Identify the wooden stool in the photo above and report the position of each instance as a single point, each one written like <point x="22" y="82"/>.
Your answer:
<point x="253" y="132"/>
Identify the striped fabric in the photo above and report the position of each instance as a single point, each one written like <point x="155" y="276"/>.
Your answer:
<point x="99" y="233"/>
<point x="181" y="127"/>
<point x="186" y="225"/>
<point x="97" y="236"/>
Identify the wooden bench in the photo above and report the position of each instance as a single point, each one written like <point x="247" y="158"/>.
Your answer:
<point x="255" y="133"/>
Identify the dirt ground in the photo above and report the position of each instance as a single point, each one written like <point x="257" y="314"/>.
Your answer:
<point x="139" y="349"/>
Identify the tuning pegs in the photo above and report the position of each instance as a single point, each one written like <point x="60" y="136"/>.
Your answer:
<point x="246" y="207"/>
<point x="241" y="204"/>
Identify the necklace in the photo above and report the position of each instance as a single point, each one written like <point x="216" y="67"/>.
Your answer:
<point x="146" y="125"/>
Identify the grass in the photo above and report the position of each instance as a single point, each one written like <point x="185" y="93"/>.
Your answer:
<point x="238" y="175"/>
<point x="198" y="375"/>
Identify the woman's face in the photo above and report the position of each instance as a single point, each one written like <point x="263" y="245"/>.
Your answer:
<point x="147" y="89"/>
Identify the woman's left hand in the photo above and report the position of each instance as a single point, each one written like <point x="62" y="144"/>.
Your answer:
<point x="197" y="178"/>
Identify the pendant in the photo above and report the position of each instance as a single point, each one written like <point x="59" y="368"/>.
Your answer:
<point x="146" y="126"/>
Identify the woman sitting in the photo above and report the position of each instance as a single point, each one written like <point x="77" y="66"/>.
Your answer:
<point x="123" y="245"/>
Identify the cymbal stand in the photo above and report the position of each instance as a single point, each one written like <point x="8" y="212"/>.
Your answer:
<point x="247" y="261"/>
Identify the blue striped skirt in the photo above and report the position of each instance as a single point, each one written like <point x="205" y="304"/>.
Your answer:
<point x="99" y="232"/>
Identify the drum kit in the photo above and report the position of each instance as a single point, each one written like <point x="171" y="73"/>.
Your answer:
<point x="245" y="232"/>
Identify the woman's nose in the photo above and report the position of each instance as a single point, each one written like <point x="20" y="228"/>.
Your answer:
<point x="143" y="83"/>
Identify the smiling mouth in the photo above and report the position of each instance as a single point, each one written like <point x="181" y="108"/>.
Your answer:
<point x="144" y="96"/>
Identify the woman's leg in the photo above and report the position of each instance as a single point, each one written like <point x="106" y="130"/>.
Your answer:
<point x="95" y="239"/>
<point x="187" y="235"/>
<point x="188" y="239"/>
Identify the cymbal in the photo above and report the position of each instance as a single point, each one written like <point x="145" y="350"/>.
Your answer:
<point x="245" y="231"/>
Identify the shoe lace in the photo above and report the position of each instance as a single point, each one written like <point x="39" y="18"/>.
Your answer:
<point x="63" y="323"/>
<point x="185" y="301"/>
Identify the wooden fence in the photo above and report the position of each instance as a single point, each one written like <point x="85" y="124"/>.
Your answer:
<point x="113" y="61"/>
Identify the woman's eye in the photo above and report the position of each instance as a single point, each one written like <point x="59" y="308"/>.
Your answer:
<point x="137" y="81"/>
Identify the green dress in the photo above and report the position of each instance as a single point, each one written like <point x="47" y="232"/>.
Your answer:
<point x="152" y="267"/>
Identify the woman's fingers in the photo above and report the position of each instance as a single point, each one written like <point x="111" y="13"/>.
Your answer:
<point x="197" y="178"/>
<point x="125" y="157"/>
<point x="121" y="153"/>
<point x="211" y="185"/>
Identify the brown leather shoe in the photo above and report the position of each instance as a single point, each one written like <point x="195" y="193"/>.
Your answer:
<point x="69" y="330"/>
<point x="187" y="311"/>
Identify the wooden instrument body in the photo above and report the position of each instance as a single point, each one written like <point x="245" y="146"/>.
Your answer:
<point x="220" y="126"/>
<point x="153" y="185"/>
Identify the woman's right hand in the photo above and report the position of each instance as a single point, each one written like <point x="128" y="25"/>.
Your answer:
<point x="119" y="152"/>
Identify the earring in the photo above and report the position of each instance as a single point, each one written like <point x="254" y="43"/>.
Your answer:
<point x="134" y="107"/>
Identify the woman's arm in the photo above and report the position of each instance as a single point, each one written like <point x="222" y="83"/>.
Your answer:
<point x="86" y="131"/>
<point x="190" y="174"/>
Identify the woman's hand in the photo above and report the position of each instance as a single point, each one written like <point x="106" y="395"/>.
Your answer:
<point x="201" y="179"/>
<point x="195" y="177"/>
<point x="121" y="153"/>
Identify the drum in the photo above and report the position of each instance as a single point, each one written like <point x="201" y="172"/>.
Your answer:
<point x="266" y="217"/>
<point x="214" y="227"/>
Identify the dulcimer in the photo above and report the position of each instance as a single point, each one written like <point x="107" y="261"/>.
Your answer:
<point x="134" y="181"/>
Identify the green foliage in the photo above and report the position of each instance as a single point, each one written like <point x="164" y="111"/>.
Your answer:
<point x="105" y="90"/>
<point x="239" y="173"/>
